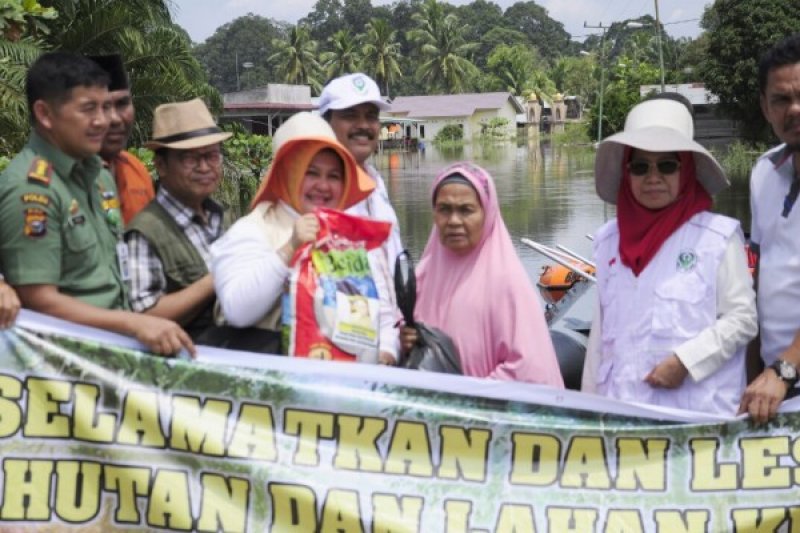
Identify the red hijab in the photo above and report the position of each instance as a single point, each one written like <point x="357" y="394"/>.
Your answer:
<point x="642" y="231"/>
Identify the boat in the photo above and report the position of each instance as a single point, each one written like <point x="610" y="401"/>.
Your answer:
<point x="561" y="285"/>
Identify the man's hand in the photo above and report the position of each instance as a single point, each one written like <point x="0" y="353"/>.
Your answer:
<point x="305" y="230"/>
<point x="763" y="396"/>
<point x="9" y="305"/>
<point x="668" y="374"/>
<point x="161" y="336"/>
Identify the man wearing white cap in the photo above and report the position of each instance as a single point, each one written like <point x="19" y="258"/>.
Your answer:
<point x="352" y="104"/>
<point x="774" y="187"/>
<point x="169" y="240"/>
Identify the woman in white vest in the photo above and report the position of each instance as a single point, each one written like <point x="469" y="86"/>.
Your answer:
<point x="676" y="300"/>
<point x="250" y="263"/>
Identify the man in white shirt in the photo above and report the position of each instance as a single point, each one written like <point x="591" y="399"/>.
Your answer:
<point x="774" y="187"/>
<point x="352" y="104"/>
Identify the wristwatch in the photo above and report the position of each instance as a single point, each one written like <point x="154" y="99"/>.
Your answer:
<point x="786" y="371"/>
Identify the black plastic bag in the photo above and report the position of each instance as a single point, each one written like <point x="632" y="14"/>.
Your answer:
<point x="434" y="350"/>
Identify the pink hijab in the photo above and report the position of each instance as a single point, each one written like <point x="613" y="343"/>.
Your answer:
<point x="484" y="300"/>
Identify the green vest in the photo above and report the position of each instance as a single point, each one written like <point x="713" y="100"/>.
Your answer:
<point x="182" y="263"/>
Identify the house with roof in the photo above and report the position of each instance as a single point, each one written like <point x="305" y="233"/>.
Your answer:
<point x="711" y="128"/>
<point x="262" y="110"/>
<point x="423" y="116"/>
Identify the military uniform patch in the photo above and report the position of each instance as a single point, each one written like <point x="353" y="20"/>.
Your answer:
<point x="110" y="204"/>
<point x="35" y="198"/>
<point x="40" y="171"/>
<point x="35" y="222"/>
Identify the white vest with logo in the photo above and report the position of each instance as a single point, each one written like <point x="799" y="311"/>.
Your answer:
<point x="646" y="318"/>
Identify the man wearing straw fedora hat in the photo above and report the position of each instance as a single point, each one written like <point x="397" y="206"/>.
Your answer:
<point x="676" y="302"/>
<point x="60" y="227"/>
<point x="169" y="239"/>
<point x="774" y="187"/>
<point x="351" y="104"/>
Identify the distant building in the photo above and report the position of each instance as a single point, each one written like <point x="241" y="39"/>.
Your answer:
<point x="264" y="109"/>
<point x="710" y="126"/>
<point x="472" y="112"/>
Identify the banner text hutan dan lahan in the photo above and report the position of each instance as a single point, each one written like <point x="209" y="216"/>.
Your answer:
<point x="42" y="408"/>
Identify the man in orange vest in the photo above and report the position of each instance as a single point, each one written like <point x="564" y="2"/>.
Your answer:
<point x="134" y="184"/>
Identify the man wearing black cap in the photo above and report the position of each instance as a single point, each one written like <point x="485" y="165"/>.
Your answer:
<point x="134" y="184"/>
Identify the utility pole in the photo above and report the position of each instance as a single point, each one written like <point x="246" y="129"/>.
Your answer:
<point x="601" y="62"/>
<point x="236" y="58"/>
<point x="660" y="47"/>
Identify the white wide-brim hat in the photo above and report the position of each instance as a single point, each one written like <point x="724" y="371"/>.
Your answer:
<point x="655" y="126"/>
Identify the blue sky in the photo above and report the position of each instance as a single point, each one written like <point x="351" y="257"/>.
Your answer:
<point x="202" y="17"/>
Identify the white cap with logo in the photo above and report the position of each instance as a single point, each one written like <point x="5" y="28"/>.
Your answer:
<point x="350" y="90"/>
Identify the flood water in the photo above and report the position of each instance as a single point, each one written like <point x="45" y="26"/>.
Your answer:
<point x="546" y="194"/>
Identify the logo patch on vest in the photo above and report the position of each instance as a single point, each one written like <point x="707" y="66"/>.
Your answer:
<point x="687" y="260"/>
<point x="35" y="223"/>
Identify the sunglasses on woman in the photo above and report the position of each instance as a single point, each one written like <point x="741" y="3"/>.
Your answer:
<point x="640" y="167"/>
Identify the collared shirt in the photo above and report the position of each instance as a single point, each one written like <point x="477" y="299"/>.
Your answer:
<point x="147" y="280"/>
<point x="774" y="236"/>
<point x="134" y="184"/>
<point x="378" y="206"/>
<point x="60" y="225"/>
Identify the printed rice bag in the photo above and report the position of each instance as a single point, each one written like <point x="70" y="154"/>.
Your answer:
<point x="331" y="309"/>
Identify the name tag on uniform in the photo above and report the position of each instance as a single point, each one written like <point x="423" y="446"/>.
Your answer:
<point x="123" y="258"/>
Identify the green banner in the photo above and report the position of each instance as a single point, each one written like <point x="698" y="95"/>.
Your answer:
<point x="95" y="435"/>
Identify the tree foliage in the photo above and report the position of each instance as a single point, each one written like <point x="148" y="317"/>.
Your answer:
<point x="382" y="53"/>
<point x="738" y="33"/>
<point x="343" y="57"/>
<point x="248" y="39"/>
<point x="157" y="54"/>
<point x="296" y="58"/>
<point x="444" y="51"/>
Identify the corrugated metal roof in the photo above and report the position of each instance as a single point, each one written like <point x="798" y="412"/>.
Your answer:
<point x="695" y="92"/>
<point x="450" y="105"/>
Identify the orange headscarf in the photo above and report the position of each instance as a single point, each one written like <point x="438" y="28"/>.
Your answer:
<point x="284" y="178"/>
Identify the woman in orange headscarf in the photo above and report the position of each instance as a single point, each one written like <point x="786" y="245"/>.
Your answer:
<point x="250" y="263"/>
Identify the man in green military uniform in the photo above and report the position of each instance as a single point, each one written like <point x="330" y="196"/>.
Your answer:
<point x="60" y="224"/>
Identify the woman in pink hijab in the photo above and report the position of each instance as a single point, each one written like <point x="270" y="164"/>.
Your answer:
<point x="472" y="286"/>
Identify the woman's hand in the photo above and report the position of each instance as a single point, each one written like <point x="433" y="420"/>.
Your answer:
<point x="386" y="358"/>
<point x="668" y="374"/>
<point x="305" y="230"/>
<point x="408" y="338"/>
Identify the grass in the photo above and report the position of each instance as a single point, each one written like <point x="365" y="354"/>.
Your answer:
<point x="739" y="159"/>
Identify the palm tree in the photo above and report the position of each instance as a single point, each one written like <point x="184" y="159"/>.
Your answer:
<point x="382" y="53"/>
<point x="15" y="58"/>
<point x="157" y="54"/>
<point x="344" y="58"/>
<point x="441" y="44"/>
<point x="296" y="58"/>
